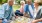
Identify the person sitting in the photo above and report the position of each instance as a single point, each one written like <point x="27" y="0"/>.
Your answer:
<point x="28" y="9"/>
<point x="20" y="10"/>
<point x="38" y="18"/>
<point x="8" y="11"/>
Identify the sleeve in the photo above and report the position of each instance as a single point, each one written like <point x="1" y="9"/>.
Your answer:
<point x="5" y="6"/>
<point x="25" y="8"/>
<point x="6" y="12"/>
<point x="4" y="21"/>
<point x="12" y="14"/>
<point x="41" y="10"/>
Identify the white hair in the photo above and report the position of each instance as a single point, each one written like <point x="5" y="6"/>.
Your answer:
<point x="22" y="2"/>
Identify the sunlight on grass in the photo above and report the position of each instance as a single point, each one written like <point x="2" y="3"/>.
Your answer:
<point x="16" y="7"/>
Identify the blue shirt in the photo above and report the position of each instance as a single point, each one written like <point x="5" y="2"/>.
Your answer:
<point x="26" y="9"/>
<point x="7" y="9"/>
<point x="1" y="12"/>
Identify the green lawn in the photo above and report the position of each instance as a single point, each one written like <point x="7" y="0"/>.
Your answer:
<point x="16" y="7"/>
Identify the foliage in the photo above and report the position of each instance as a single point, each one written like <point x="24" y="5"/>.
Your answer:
<point x="32" y="0"/>
<point x="18" y="1"/>
<point x="16" y="7"/>
<point x="4" y="1"/>
<point x="0" y="1"/>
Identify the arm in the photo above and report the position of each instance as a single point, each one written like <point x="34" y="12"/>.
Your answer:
<point x="5" y="10"/>
<point x="12" y="15"/>
<point x="25" y="14"/>
<point x="38" y="20"/>
<point x="26" y="10"/>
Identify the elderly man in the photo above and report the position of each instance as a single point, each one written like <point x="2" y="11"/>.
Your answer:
<point x="28" y="9"/>
<point x="8" y="9"/>
<point x="2" y="19"/>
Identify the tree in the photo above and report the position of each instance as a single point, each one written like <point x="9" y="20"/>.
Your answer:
<point x="0" y="1"/>
<point x="18" y="1"/>
<point x="4" y="1"/>
<point x="32" y="0"/>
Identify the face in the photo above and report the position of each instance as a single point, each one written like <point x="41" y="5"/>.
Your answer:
<point x="22" y="3"/>
<point x="11" y="3"/>
<point x="36" y="4"/>
<point x="29" y="2"/>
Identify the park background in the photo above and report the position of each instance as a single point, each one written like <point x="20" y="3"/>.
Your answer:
<point x="16" y="5"/>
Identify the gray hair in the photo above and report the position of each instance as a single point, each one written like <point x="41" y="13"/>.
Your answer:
<point x="22" y="2"/>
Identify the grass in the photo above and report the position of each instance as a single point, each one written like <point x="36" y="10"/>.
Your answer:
<point x="16" y="7"/>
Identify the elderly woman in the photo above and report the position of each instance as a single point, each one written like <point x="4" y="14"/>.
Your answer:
<point x="36" y="10"/>
<point x="36" y="5"/>
<point x="22" y="6"/>
<point x="20" y="10"/>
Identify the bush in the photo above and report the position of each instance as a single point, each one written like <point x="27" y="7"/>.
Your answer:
<point x="0" y="1"/>
<point x="18" y="1"/>
<point x="4" y="1"/>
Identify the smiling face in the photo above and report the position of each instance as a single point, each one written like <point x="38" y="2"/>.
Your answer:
<point x="36" y="4"/>
<point x="10" y="2"/>
<point x="29" y="1"/>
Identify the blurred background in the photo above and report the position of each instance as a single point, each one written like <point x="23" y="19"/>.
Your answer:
<point x="16" y="3"/>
